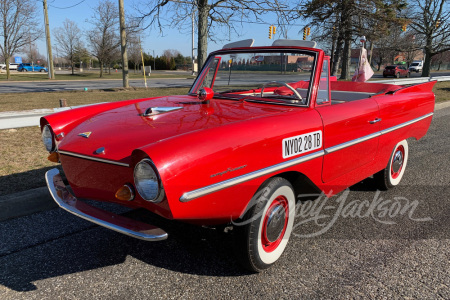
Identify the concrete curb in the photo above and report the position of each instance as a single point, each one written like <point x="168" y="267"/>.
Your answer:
<point x="25" y="203"/>
<point x="442" y="105"/>
<point x="37" y="200"/>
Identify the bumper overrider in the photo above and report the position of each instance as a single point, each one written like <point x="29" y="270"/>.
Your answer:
<point x="115" y="222"/>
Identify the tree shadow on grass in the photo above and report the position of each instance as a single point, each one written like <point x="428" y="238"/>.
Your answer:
<point x="24" y="181"/>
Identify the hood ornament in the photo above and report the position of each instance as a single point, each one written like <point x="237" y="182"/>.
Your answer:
<point x="100" y="150"/>
<point x="151" y="111"/>
<point x="85" y="134"/>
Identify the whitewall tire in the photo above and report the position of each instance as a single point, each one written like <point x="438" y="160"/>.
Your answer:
<point x="266" y="226"/>
<point x="393" y="173"/>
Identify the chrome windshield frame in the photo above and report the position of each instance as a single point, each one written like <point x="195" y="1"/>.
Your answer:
<point x="308" y="51"/>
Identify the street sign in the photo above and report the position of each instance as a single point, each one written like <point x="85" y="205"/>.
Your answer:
<point x="18" y="59"/>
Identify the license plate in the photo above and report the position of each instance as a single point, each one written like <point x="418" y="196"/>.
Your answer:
<point x="301" y="144"/>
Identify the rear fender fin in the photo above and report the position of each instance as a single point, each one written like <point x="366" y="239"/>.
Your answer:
<point x="425" y="87"/>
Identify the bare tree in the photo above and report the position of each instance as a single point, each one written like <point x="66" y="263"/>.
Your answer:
<point x="134" y="52"/>
<point x="33" y="55"/>
<point x="103" y="37"/>
<point x="408" y="45"/>
<point x="134" y="37"/>
<point x="441" y="58"/>
<point x="171" y="53"/>
<point x="385" y="49"/>
<point x="19" y="27"/>
<point x="345" y="20"/>
<point x="211" y="16"/>
<point x="68" y="40"/>
<point x="430" y="21"/>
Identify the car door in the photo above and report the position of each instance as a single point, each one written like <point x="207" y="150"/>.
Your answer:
<point x="350" y="135"/>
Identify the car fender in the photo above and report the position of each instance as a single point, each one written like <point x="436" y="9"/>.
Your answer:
<point x="219" y="155"/>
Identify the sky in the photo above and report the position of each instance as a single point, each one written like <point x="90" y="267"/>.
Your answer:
<point x="80" y="11"/>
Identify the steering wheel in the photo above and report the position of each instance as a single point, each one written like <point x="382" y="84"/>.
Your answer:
<point x="282" y="83"/>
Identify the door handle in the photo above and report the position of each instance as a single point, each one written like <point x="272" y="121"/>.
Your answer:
<point x="375" y="121"/>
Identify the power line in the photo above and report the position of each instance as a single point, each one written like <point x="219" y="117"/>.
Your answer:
<point x="68" y="6"/>
<point x="265" y="23"/>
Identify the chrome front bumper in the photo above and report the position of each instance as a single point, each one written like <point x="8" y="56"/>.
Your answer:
<point x="115" y="222"/>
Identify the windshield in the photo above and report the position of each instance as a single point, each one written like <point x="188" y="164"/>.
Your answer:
<point x="414" y="64"/>
<point x="281" y="77"/>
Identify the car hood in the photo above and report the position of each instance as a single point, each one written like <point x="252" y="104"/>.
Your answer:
<point x="119" y="131"/>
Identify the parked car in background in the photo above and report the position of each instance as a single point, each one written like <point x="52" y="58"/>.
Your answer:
<point x="396" y="71"/>
<point x="416" y="66"/>
<point x="12" y="66"/>
<point x="25" y="67"/>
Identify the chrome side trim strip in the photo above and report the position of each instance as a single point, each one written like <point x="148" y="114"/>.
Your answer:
<point x="352" y="142"/>
<point x="124" y="225"/>
<point x="246" y="177"/>
<point x="406" y="123"/>
<point x="373" y="135"/>
<point x="188" y="196"/>
<point x="106" y="161"/>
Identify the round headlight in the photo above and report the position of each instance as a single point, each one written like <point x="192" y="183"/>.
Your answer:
<point x="147" y="181"/>
<point x="48" y="138"/>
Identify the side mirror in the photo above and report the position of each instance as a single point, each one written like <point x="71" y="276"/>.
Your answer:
<point x="205" y="94"/>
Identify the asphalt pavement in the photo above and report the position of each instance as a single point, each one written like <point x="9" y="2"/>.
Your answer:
<point x="398" y="249"/>
<point x="53" y="86"/>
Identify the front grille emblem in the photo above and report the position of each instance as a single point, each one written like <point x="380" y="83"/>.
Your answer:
<point x="85" y="134"/>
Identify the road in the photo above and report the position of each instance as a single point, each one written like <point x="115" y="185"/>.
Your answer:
<point x="51" y="86"/>
<point x="53" y="254"/>
<point x="183" y="81"/>
<point x="414" y="75"/>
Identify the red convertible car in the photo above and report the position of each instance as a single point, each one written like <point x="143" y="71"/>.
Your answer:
<point x="396" y="71"/>
<point x="249" y="138"/>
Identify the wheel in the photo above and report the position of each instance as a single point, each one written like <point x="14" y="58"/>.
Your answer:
<point x="42" y="71"/>
<point x="393" y="173"/>
<point x="384" y="76"/>
<point x="24" y="70"/>
<point x="408" y="74"/>
<point x="263" y="233"/>
<point x="397" y="75"/>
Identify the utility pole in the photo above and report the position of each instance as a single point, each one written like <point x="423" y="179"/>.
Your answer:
<point x="51" y="71"/>
<point x="154" y="61"/>
<point x="193" y="40"/>
<point x="123" y="45"/>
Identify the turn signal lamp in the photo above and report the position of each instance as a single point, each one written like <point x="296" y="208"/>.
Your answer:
<point x="125" y="193"/>
<point x="54" y="157"/>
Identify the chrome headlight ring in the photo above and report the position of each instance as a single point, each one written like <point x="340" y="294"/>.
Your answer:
<point x="147" y="181"/>
<point x="48" y="138"/>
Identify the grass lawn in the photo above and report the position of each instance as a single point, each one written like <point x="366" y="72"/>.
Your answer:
<point x="27" y="101"/>
<point x="442" y="91"/>
<point x="23" y="160"/>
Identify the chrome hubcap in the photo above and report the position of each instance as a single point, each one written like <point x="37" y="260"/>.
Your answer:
<point x="275" y="223"/>
<point x="397" y="161"/>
